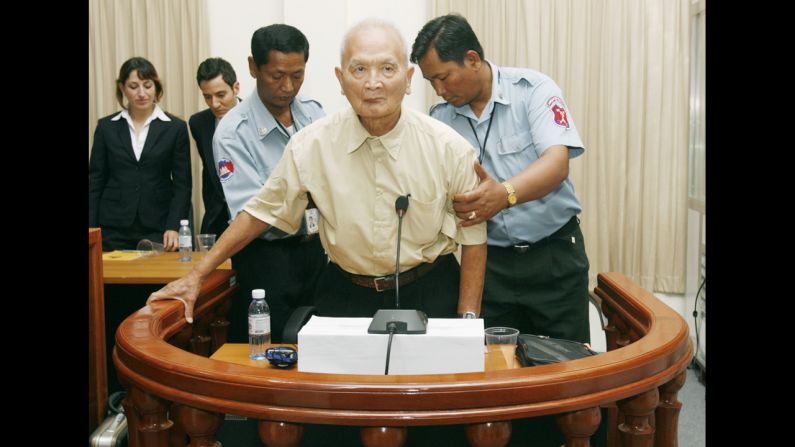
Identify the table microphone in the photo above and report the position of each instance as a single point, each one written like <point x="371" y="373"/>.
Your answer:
<point x="401" y="206"/>
<point x="399" y="321"/>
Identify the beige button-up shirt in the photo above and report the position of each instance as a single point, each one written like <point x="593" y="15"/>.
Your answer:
<point x="355" y="178"/>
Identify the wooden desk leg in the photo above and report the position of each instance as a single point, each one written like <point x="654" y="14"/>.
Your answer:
<point x="182" y="339"/>
<point x="200" y="345"/>
<point x="280" y="434"/>
<point x="200" y="425"/>
<point x="667" y="414"/>
<point x="150" y="418"/>
<point x="579" y="426"/>
<point x="219" y="330"/>
<point x="636" y="430"/>
<point x="383" y="436"/>
<point x="132" y="419"/>
<point x="177" y="436"/>
<point x="613" y="421"/>
<point x="489" y="434"/>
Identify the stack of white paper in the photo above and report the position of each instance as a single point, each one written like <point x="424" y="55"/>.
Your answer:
<point x="343" y="346"/>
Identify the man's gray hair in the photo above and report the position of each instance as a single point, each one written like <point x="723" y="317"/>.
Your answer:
<point x="374" y="22"/>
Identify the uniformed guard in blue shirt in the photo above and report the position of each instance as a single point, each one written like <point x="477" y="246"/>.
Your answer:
<point x="517" y="120"/>
<point x="247" y="144"/>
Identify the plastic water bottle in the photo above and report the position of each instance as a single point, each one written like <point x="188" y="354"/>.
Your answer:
<point x="259" y="325"/>
<point x="185" y="242"/>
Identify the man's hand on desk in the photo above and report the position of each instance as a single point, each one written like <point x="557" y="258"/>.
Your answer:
<point x="185" y="289"/>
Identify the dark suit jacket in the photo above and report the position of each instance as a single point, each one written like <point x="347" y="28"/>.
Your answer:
<point x="157" y="187"/>
<point x="216" y="212"/>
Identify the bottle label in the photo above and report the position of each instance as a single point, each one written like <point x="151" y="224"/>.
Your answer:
<point x="185" y="241"/>
<point x="259" y="324"/>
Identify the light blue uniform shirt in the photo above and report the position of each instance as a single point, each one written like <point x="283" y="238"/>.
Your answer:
<point x="529" y="116"/>
<point x="247" y="145"/>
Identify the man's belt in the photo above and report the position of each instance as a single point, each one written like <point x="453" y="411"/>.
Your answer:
<point x="383" y="283"/>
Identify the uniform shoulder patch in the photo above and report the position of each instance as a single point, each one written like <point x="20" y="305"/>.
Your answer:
<point x="559" y="113"/>
<point x="225" y="169"/>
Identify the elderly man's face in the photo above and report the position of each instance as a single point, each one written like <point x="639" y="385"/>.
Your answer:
<point x="374" y="74"/>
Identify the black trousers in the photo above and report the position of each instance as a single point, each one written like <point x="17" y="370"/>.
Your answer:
<point x="435" y="293"/>
<point x="542" y="289"/>
<point x="288" y="270"/>
<point x="215" y="224"/>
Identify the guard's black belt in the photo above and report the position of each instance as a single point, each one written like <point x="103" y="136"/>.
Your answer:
<point x="524" y="247"/>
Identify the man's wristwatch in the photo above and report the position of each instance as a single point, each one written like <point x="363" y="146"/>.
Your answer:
<point x="469" y="315"/>
<point x="511" y="194"/>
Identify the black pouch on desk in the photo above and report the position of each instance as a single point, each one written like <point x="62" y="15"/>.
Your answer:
<point x="534" y="350"/>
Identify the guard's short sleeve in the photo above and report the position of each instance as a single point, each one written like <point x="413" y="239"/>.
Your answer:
<point x="550" y="119"/>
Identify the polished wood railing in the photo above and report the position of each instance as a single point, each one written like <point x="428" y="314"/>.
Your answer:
<point x="97" y="369"/>
<point x="175" y="391"/>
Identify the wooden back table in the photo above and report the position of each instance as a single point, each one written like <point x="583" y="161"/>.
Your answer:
<point x="152" y="269"/>
<point x="640" y="375"/>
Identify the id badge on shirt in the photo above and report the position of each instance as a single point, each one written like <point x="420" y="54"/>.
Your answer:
<point x="311" y="215"/>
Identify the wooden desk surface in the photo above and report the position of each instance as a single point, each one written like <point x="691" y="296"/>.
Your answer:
<point x="154" y="269"/>
<point x="238" y="353"/>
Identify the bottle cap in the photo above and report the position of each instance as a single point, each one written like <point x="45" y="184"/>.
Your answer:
<point x="183" y="222"/>
<point x="258" y="293"/>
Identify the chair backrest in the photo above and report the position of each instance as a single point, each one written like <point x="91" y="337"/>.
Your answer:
<point x="297" y="320"/>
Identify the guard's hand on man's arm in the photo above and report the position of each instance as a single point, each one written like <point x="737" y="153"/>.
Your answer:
<point x="483" y="202"/>
<point x="534" y="182"/>
<point x="185" y="289"/>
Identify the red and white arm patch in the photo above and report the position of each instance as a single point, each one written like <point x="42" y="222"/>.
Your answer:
<point x="559" y="112"/>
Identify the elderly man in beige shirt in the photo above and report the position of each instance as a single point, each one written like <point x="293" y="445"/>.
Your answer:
<point x="355" y="163"/>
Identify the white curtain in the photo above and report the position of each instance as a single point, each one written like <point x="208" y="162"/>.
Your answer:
<point x="173" y="35"/>
<point x="623" y="66"/>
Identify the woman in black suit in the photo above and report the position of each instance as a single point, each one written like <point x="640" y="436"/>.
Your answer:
<point x="139" y="180"/>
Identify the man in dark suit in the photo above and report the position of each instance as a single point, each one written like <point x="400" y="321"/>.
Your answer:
<point x="219" y="86"/>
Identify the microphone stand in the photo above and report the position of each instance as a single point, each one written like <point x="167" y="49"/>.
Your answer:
<point x="397" y="321"/>
<point x="400" y="213"/>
